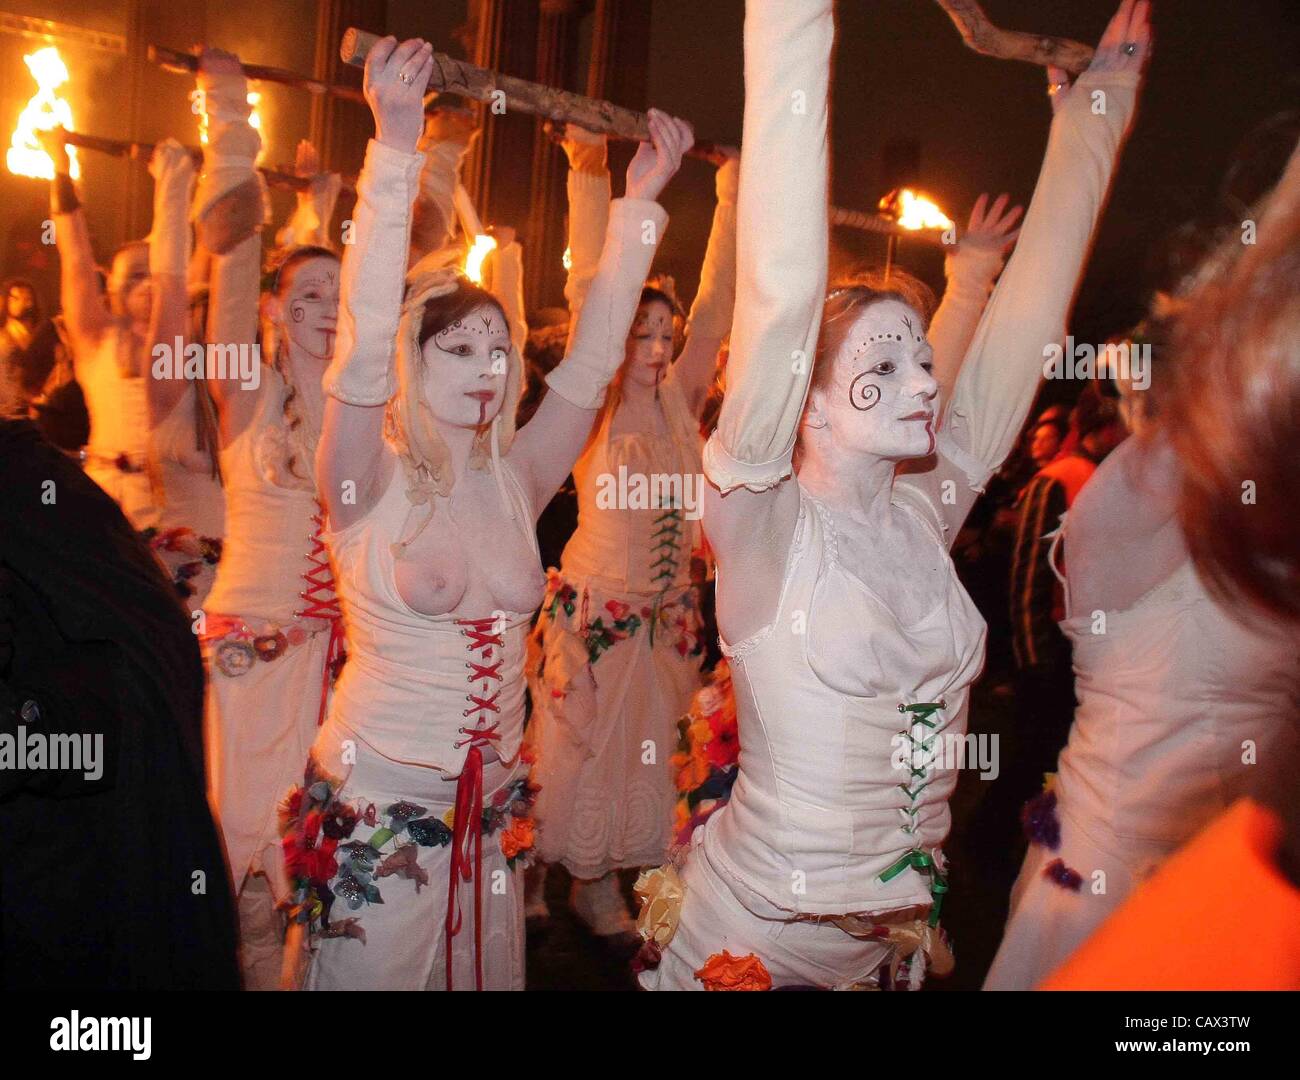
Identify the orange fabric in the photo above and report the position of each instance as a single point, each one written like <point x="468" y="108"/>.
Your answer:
<point x="1072" y="471"/>
<point x="1218" y="916"/>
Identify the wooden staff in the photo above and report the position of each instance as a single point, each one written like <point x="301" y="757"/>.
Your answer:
<point x="875" y="223"/>
<point x="982" y="36"/>
<point x="520" y="95"/>
<point x="283" y="179"/>
<point x="183" y="63"/>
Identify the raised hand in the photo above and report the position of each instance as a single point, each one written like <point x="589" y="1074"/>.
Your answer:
<point x="1125" y="46"/>
<point x="170" y="163"/>
<point x="52" y="142"/>
<point x="584" y="149"/>
<point x="306" y="162"/>
<point x="395" y="78"/>
<point x="991" y="228"/>
<point x="218" y="62"/>
<point x="657" y="161"/>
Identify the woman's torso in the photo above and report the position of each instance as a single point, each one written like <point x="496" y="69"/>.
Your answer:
<point x="1178" y="702"/>
<point x="117" y="403"/>
<point x="824" y="804"/>
<point x="416" y="683"/>
<point x="639" y="499"/>
<point x="193" y="496"/>
<point x="269" y="525"/>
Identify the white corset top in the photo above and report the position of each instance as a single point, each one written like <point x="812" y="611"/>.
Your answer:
<point x="839" y="800"/>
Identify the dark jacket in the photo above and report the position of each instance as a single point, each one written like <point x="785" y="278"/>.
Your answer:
<point x="114" y="882"/>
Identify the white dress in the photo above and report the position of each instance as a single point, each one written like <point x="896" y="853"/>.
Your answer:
<point x="117" y="455"/>
<point x="1177" y="701"/>
<point x="407" y="712"/>
<point x="192" y="517"/>
<point x="620" y="653"/>
<point x="271" y="626"/>
<point x="821" y="823"/>
<point x="821" y="868"/>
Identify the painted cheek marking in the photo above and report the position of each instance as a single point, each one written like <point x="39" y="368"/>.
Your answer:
<point x="863" y="397"/>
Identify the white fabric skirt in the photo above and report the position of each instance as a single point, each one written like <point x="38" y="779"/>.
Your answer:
<point x="400" y="939"/>
<point x="603" y="733"/>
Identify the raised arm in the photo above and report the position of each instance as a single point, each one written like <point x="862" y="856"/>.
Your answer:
<point x="444" y="143"/>
<point x="507" y="284"/>
<point x="1028" y="310"/>
<point x="362" y="376"/>
<point x="781" y="253"/>
<point x="85" y="313"/>
<point x="169" y="256"/>
<point x="711" y="314"/>
<point x="228" y="213"/>
<point x="309" y="224"/>
<point x="549" y="444"/>
<point x="970" y="272"/>
<point x="589" y="197"/>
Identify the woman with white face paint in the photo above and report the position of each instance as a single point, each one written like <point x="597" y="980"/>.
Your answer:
<point x="270" y="625"/>
<point x="109" y="334"/>
<point x="406" y="840"/>
<point x="853" y="645"/>
<point x="619" y="641"/>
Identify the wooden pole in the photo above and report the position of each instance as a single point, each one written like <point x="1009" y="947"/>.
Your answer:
<point x="989" y="40"/>
<point x="283" y="179"/>
<point x="511" y="93"/>
<point x="183" y="63"/>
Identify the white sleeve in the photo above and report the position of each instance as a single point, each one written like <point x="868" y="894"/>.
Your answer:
<point x="373" y="279"/>
<point x="781" y="242"/>
<point x="596" y="343"/>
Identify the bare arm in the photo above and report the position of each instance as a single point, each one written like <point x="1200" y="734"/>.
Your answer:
<point x="362" y="376"/>
<point x="714" y="305"/>
<point x="85" y="314"/>
<point x="781" y="254"/>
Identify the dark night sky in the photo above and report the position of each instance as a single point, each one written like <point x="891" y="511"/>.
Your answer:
<point x="901" y="70"/>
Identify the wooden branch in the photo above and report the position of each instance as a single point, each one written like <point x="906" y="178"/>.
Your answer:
<point x="518" y="95"/>
<point x="989" y="40"/>
<point x="283" y="179"/>
<point x="183" y="63"/>
<point x="876" y="223"/>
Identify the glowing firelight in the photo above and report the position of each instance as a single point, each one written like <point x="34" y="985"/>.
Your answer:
<point x="915" y="211"/>
<point x="567" y="259"/>
<point x="477" y="253"/>
<point x="254" y="121"/>
<point x="45" y="112"/>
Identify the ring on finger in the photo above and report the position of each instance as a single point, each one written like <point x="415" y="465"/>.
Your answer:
<point x="1129" y="48"/>
<point x="405" y="78"/>
<point x="1055" y="88"/>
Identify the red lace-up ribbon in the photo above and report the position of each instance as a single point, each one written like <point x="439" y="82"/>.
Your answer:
<point x="322" y="603"/>
<point x="467" y="826"/>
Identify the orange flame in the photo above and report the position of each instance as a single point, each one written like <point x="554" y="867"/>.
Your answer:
<point x="255" y="121"/>
<point x="915" y="211"/>
<point x="44" y="112"/>
<point x="483" y="244"/>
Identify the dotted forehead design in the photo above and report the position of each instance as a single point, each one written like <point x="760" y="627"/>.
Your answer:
<point x="891" y="335"/>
